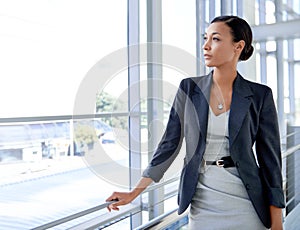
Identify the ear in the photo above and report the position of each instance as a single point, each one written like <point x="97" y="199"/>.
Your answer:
<point x="239" y="46"/>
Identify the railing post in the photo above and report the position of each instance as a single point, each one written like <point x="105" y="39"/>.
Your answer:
<point x="154" y="103"/>
<point x="133" y="103"/>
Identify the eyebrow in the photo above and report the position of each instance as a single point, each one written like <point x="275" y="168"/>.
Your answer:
<point x="213" y="33"/>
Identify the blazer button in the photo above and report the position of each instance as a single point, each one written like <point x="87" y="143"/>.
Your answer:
<point x="248" y="186"/>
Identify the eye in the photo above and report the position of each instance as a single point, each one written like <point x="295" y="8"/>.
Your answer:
<point x="216" y="39"/>
<point x="204" y="38"/>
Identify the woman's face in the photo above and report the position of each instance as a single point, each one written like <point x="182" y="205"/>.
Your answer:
<point x="219" y="48"/>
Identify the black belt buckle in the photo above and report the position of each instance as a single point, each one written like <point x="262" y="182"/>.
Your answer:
<point x="224" y="162"/>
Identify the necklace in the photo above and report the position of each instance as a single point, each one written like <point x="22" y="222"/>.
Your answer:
<point x="220" y="105"/>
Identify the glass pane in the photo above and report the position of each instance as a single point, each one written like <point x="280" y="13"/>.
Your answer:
<point x="297" y="95"/>
<point x="271" y="46"/>
<point x="43" y="178"/>
<point x="296" y="53"/>
<point x="113" y="96"/>
<point x="179" y="31"/>
<point x="48" y="47"/>
<point x="296" y="6"/>
<point x="179" y="24"/>
<point x="270" y="12"/>
<point x="271" y="72"/>
<point x="47" y="51"/>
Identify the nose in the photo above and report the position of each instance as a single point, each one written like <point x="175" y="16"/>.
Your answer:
<point x="206" y="45"/>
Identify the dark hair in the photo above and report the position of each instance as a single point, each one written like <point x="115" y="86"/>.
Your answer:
<point x="240" y="30"/>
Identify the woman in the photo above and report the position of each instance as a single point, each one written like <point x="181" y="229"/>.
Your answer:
<point x="222" y="116"/>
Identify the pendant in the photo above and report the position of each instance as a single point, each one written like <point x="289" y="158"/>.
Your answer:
<point x="220" y="106"/>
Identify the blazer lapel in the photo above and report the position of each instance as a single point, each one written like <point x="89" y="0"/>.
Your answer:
<point x="239" y="106"/>
<point x="200" y="99"/>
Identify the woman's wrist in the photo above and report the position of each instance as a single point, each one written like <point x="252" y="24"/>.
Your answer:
<point x="135" y="192"/>
<point x="276" y="218"/>
<point x="140" y="187"/>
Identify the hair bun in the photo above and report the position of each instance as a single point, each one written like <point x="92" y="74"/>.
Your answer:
<point x="246" y="53"/>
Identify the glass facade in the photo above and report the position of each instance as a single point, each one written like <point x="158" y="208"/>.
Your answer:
<point x="86" y="89"/>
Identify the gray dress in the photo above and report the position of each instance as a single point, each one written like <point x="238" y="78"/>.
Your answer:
<point x="221" y="200"/>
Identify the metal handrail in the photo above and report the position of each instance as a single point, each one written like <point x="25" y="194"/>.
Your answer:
<point x="97" y="208"/>
<point x="58" y="118"/>
<point x="108" y="219"/>
<point x="290" y="151"/>
<point x="72" y="217"/>
<point x="156" y="220"/>
<point x="158" y="185"/>
<point x="67" y="117"/>
<point x="289" y="135"/>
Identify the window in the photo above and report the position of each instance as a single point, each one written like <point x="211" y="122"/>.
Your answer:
<point x="47" y="51"/>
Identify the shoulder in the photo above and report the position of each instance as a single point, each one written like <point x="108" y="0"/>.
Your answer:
<point x="189" y="83"/>
<point x="256" y="88"/>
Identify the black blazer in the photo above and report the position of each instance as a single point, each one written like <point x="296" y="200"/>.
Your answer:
<point x="252" y="122"/>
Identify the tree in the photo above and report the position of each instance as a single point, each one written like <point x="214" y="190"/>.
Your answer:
<point x="85" y="135"/>
<point x="107" y="103"/>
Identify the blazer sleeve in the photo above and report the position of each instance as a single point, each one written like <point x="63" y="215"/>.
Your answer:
<point x="269" y="151"/>
<point x="171" y="142"/>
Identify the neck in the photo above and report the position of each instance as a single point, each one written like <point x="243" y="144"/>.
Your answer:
<point x="224" y="77"/>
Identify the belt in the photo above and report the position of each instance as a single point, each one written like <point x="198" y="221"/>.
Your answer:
<point x="224" y="162"/>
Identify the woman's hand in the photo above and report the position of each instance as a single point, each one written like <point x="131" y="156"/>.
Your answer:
<point x="121" y="198"/>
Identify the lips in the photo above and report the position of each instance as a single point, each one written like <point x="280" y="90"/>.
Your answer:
<point x="207" y="56"/>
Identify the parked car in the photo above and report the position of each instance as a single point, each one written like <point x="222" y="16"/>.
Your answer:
<point x="107" y="138"/>
<point x="104" y="132"/>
